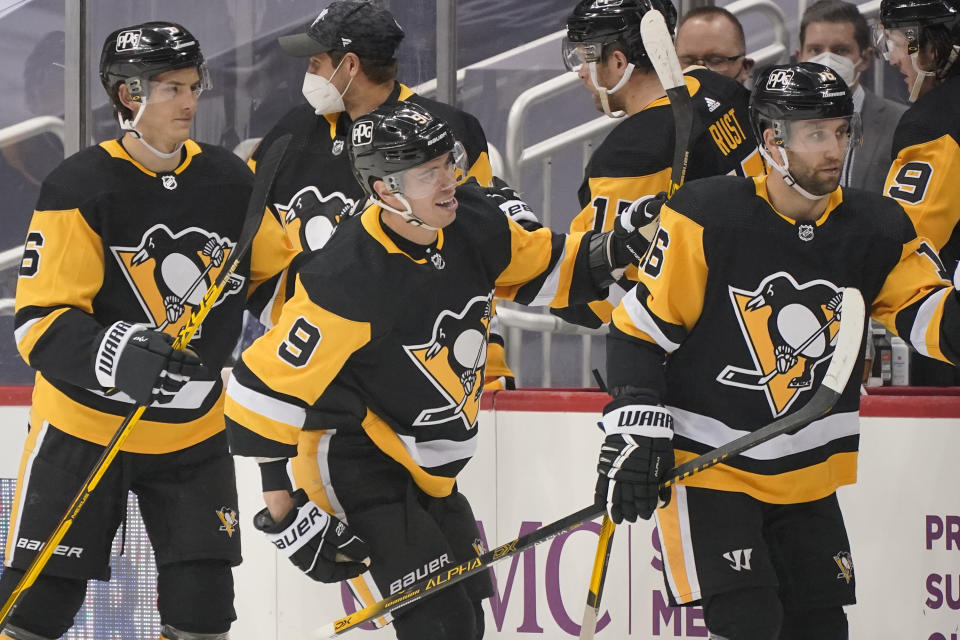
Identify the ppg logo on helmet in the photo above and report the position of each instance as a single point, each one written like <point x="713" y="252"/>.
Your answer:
<point x="127" y="40"/>
<point x="362" y="133"/>
<point x="780" y="79"/>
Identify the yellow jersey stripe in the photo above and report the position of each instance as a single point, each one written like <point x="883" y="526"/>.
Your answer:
<point x="801" y="485"/>
<point x="389" y="442"/>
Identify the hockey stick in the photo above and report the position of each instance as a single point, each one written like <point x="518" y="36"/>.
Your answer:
<point x="598" y="576"/>
<point x="658" y="44"/>
<point x="835" y="379"/>
<point x="447" y="577"/>
<point x="251" y="224"/>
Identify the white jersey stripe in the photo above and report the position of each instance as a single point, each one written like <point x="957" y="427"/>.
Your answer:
<point x="436" y="453"/>
<point x="642" y="320"/>
<point x="552" y="283"/>
<point x="22" y="330"/>
<point x="23" y="488"/>
<point x="686" y="539"/>
<point x="713" y="433"/>
<point x="921" y="324"/>
<point x="265" y="405"/>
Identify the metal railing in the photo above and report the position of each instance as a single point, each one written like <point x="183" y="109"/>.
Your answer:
<point x="9" y="136"/>
<point x="520" y="155"/>
<point x="29" y="128"/>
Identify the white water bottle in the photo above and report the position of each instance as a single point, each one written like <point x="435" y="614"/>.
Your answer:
<point x="900" y="362"/>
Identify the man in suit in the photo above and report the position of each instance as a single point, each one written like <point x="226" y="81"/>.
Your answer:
<point x="712" y="37"/>
<point x="835" y="33"/>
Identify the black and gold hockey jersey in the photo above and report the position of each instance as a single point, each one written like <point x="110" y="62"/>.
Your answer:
<point x="925" y="174"/>
<point x="743" y="301"/>
<point x="635" y="161"/>
<point x="317" y="167"/>
<point x="111" y="240"/>
<point x="317" y="170"/>
<point x="390" y="337"/>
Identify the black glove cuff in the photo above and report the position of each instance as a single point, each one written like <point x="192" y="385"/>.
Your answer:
<point x="600" y="259"/>
<point x="274" y="477"/>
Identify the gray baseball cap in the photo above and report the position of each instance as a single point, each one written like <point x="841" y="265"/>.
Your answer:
<point x="348" y="25"/>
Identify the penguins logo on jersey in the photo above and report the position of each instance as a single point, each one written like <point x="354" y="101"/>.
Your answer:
<point x="453" y="360"/>
<point x="170" y="272"/>
<point x="790" y="329"/>
<point x="228" y="520"/>
<point x="313" y="216"/>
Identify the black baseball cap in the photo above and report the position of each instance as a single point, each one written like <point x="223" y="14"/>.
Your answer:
<point x="348" y="25"/>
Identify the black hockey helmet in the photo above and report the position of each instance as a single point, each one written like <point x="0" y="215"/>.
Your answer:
<point x="910" y="18"/>
<point x="895" y="14"/>
<point x="133" y="55"/>
<point x="804" y="91"/>
<point x="394" y="138"/>
<point x="605" y="22"/>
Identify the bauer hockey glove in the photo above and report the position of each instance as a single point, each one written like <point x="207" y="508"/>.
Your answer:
<point x="509" y="201"/>
<point x="143" y="364"/>
<point x="636" y="455"/>
<point x="628" y="245"/>
<point x="318" y="543"/>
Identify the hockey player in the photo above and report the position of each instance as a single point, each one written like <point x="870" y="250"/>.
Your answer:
<point x="922" y="39"/>
<point x="604" y="46"/>
<point x="731" y="326"/>
<point x="125" y="240"/>
<point x="352" y="49"/>
<point x="378" y="359"/>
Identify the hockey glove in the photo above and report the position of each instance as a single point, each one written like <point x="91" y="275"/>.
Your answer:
<point x="143" y="364"/>
<point x="628" y="245"/>
<point x="509" y="201"/>
<point x="636" y="455"/>
<point x="318" y="543"/>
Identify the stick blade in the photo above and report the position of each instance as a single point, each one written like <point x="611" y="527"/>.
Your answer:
<point x="659" y="46"/>
<point x="589" y="623"/>
<point x="849" y="339"/>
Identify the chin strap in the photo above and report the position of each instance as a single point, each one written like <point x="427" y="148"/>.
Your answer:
<point x="131" y="126"/>
<point x="407" y="214"/>
<point x="923" y="75"/>
<point x="918" y="81"/>
<point x="605" y="93"/>
<point x="784" y="171"/>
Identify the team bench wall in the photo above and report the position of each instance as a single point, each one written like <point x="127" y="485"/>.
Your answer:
<point x="535" y="464"/>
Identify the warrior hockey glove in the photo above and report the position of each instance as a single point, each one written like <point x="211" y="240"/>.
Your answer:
<point x="143" y="364"/>
<point x="316" y="542"/>
<point x="636" y="455"/>
<point x="509" y="201"/>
